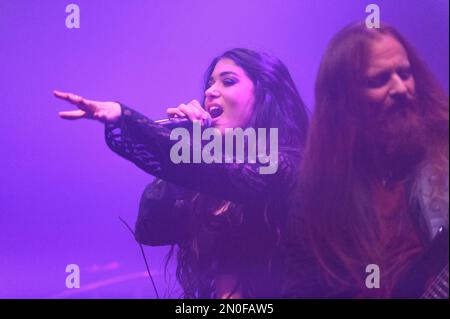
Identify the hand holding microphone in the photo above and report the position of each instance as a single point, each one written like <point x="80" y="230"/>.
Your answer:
<point x="185" y="114"/>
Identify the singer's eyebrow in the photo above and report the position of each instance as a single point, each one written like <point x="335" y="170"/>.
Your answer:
<point x="228" y="72"/>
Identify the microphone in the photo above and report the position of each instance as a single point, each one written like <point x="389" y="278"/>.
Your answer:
<point x="186" y="123"/>
<point x="176" y="122"/>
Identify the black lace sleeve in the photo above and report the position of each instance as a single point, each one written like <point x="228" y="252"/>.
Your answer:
<point x="148" y="145"/>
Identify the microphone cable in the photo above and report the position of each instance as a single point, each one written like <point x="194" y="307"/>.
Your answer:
<point x="145" y="259"/>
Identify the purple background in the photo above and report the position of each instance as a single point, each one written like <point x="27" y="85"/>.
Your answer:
<point x="62" y="189"/>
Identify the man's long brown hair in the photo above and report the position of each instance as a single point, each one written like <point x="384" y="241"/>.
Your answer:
<point x="334" y="213"/>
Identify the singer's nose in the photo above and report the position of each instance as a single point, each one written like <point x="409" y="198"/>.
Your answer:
<point x="212" y="92"/>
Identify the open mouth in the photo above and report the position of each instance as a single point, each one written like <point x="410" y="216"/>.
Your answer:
<point x="215" y="111"/>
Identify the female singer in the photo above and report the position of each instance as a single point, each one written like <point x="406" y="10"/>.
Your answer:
<point x="225" y="219"/>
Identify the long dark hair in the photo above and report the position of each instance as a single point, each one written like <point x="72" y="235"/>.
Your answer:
<point x="334" y="214"/>
<point x="277" y="105"/>
<point x="277" y="101"/>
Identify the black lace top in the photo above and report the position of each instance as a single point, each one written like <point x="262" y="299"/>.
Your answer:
<point x="244" y="238"/>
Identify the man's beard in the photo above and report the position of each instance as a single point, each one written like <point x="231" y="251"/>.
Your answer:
<point x="396" y="139"/>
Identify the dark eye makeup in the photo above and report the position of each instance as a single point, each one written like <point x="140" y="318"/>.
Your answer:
<point x="229" y="81"/>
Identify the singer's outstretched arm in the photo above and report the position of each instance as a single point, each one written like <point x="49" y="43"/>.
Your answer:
<point x="147" y="144"/>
